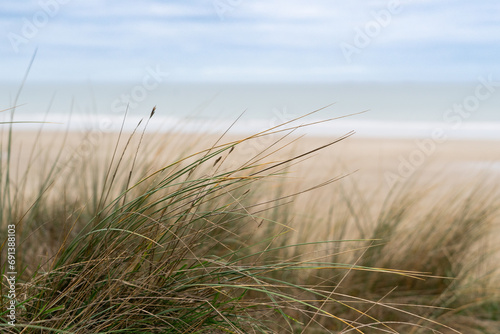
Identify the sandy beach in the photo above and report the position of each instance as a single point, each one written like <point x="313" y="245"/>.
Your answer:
<point x="373" y="163"/>
<point x="368" y="169"/>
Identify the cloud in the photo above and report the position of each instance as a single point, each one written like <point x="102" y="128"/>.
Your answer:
<point x="261" y="39"/>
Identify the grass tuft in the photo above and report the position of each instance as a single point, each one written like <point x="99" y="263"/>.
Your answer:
<point x="213" y="242"/>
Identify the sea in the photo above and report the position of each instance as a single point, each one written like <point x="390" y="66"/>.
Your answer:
<point x="370" y="109"/>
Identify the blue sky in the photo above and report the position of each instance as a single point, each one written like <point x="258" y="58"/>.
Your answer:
<point x="251" y="40"/>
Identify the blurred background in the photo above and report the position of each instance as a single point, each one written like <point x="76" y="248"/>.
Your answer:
<point x="414" y="66"/>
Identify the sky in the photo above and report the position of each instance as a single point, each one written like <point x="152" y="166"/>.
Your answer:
<point x="251" y="40"/>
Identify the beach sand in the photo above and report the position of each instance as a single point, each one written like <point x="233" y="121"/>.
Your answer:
<point x="368" y="166"/>
<point x="373" y="163"/>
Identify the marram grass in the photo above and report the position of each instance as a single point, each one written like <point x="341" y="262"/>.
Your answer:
<point x="202" y="244"/>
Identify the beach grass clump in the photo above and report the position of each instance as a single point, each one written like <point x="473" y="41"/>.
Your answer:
<point x="167" y="251"/>
<point x="212" y="242"/>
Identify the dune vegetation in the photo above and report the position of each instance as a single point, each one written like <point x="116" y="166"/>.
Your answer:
<point x="142" y="233"/>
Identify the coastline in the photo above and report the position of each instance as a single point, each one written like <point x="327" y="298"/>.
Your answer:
<point x="312" y="127"/>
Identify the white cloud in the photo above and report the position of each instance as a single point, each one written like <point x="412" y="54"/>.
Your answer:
<point x="262" y="39"/>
